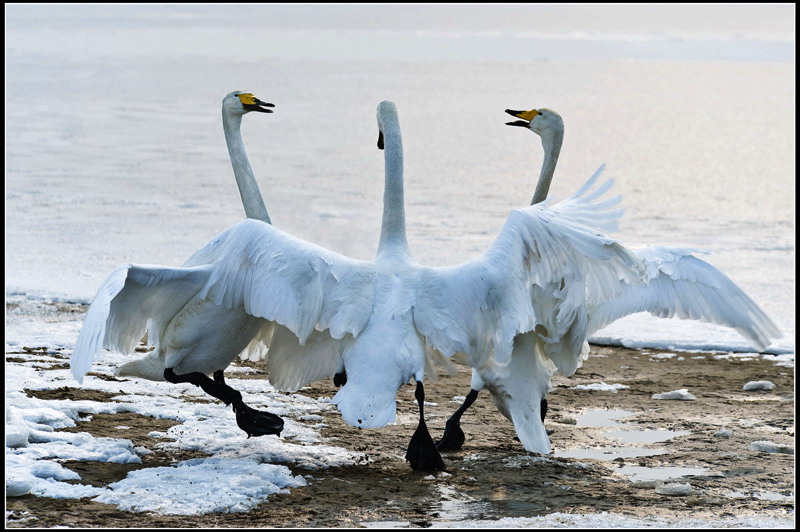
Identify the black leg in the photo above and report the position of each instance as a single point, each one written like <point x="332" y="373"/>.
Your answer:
<point x="453" y="437"/>
<point x="543" y="412"/>
<point x="250" y="420"/>
<point x="340" y="379"/>
<point x="422" y="452"/>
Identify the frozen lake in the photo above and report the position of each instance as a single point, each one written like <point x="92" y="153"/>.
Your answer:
<point x="114" y="148"/>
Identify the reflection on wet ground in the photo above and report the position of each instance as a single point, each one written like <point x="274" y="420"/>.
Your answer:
<point x="631" y="436"/>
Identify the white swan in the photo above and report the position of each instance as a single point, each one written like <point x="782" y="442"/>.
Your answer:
<point x="675" y="283"/>
<point x="375" y="319"/>
<point x="192" y="337"/>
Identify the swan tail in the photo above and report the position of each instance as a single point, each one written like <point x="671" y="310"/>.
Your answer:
<point x="150" y="367"/>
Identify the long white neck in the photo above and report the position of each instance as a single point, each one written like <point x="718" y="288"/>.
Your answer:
<point x="248" y="188"/>
<point x="393" y="226"/>
<point x="551" y="142"/>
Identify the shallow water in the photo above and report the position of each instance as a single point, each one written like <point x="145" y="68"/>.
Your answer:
<point x="608" y="453"/>
<point x="632" y="438"/>
<point x="646" y="436"/>
<point x="644" y="474"/>
<point x="602" y="418"/>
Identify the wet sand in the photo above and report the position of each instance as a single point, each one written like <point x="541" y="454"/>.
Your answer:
<point x="492" y="476"/>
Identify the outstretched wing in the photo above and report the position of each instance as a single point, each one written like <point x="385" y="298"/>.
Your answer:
<point x="273" y="275"/>
<point x="678" y="284"/>
<point x="547" y="267"/>
<point x="133" y="299"/>
<point x="319" y="299"/>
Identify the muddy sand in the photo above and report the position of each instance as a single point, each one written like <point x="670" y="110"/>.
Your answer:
<point x="492" y="476"/>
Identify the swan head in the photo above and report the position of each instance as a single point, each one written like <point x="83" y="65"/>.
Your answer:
<point x="387" y="117"/>
<point x="241" y="102"/>
<point x="543" y="122"/>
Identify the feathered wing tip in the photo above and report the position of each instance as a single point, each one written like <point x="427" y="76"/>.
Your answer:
<point x="590" y="182"/>
<point x="519" y="389"/>
<point x="435" y="358"/>
<point x="93" y="332"/>
<point x="583" y="206"/>
<point x="258" y="348"/>
<point x="134" y="299"/>
<point x="678" y="284"/>
<point x="292" y="365"/>
<point x="745" y="314"/>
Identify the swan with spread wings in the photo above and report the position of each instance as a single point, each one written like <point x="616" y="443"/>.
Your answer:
<point x="375" y="319"/>
<point x="674" y="283"/>
<point x="192" y="337"/>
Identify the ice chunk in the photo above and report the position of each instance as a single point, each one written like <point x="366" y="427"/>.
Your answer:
<point x="758" y="385"/>
<point x="771" y="447"/>
<point x="675" y="489"/>
<point x="679" y="395"/>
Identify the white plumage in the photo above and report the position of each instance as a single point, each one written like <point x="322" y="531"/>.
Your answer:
<point x="572" y="303"/>
<point x="518" y="312"/>
<point x="188" y="333"/>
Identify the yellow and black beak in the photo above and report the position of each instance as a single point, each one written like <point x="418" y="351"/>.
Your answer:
<point x="251" y="103"/>
<point x="526" y="116"/>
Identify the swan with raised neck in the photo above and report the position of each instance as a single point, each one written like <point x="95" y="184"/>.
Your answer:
<point x="393" y="241"/>
<point x="234" y="106"/>
<point x="550" y="127"/>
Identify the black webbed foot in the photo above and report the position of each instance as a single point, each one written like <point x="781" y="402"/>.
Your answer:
<point x="453" y="437"/>
<point x="255" y="422"/>
<point x="250" y="420"/>
<point x="422" y="452"/>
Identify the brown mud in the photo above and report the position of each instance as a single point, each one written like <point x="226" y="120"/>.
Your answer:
<point x="492" y="476"/>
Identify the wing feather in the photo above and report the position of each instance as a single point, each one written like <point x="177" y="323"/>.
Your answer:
<point x="546" y="266"/>
<point x="301" y="286"/>
<point x="678" y="284"/>
<point x="134" y="299"/>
